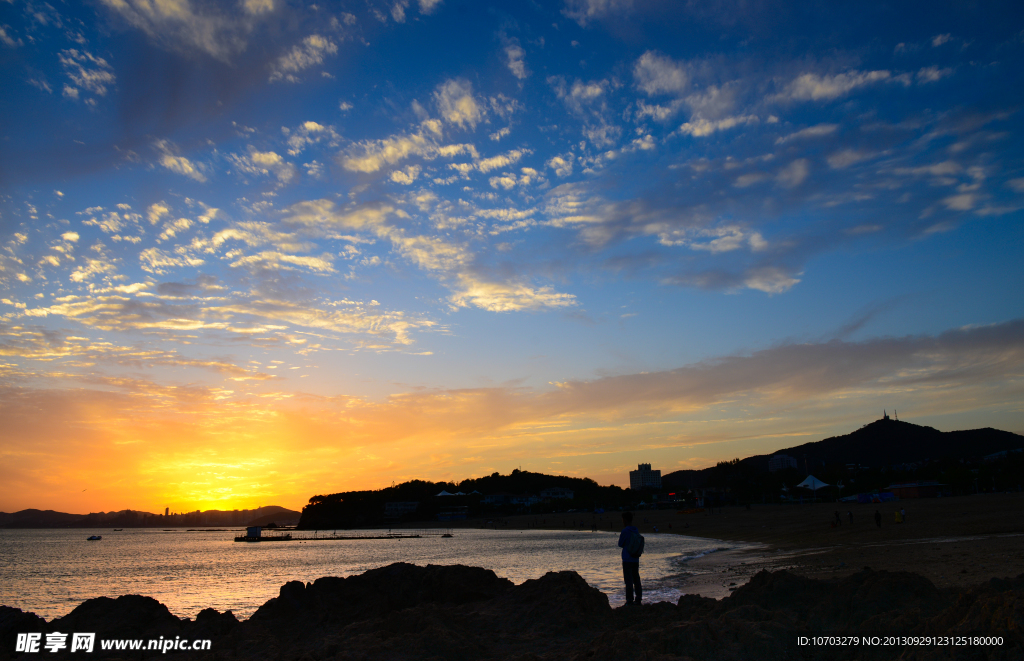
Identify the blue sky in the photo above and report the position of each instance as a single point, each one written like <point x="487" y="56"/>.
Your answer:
<point x="255" y="250"/>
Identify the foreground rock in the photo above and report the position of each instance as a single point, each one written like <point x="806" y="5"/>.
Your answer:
<point x="464" y="613"/>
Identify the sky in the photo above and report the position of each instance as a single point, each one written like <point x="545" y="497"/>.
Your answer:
<point x="252" y="251"/>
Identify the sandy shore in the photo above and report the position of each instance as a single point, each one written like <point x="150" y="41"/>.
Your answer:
<point x="953" y="542"/>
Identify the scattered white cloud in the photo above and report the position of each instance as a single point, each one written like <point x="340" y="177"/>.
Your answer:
<point x="817" y="131"/>
<point x="257" y="163"/>
<point x="793" y="174"/>
<point x="932" y="74"/>
<point x="701" y="128"/>
<point x="657" y="74"/>
<point x="307" y="134"/>
<point x="771" y="280"/>
<point x="406" y="176"/>
<point x="812" y="87"/>
<point x="844" y="158"/>
<point x="373" y="155"/>
<point x="398" y="11"/>
<point x="561" y="164"/>
<point x="515" y="59"/>
<point x="309" y="53"/>
<point x="507" y="297"/>
<point x="585" y="11"/>
<point x="178" y="164"/>
<point x="278" y="261"/>
<point x="6" y="39"/>
<point x="154" y="260"/>
<point x="962" y="202"/>
<point x="501" y="160"/>
<point x="156" y="211"/>
<point x="455" y="102"/>
<point x="217" y="29"/>
<point x="749" y="179"/>
<point x="90" y="73"/>
<point x="41" y="84"/>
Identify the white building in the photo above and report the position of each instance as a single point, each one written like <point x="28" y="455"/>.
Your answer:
<point x="780" y="462"/>
<point x="556" y="493"/>
<point x="643" y="476"/>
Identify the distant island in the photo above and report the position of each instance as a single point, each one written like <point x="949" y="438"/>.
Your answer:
<point x="875" y="457"/>
<point x="261" y="516"/>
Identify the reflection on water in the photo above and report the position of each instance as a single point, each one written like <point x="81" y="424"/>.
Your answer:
<point x="49" y="572"/>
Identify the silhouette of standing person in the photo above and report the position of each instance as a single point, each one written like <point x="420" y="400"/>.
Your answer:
<point x="878" y="518"/>
<point x="630" y="565"/>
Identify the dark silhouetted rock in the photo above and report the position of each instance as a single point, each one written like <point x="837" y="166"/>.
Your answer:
<point x="128" y="616"/>
<point x="340" y="601"/>
<point x="210" y="623"/>
<point x="405" y="612"/>
<point x="14" y="621"/>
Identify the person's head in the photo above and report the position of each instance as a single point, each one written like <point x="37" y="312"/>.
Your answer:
<point x="627" y="518"/>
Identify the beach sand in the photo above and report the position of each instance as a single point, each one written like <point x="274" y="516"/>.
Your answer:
<point x="953" y="542"/>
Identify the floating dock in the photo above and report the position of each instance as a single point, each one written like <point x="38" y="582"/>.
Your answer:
<point x="255" y="534"/>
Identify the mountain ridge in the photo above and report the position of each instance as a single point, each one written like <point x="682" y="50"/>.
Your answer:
<point x="882" y="443"/>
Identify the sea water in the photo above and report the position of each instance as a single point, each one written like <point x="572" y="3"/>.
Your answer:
<point x="49" y="572"/>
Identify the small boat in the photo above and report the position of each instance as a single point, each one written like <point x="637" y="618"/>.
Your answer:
<point x="95" y="538"/>
<point x="447" y="534"/>
<point x="118" y="529"/>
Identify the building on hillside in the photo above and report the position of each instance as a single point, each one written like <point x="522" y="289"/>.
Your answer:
<point x="398" y="509"/>
<point x="923" y="489"/>
<point x="780" y="462"/>
<point x="453" y="513"/>
<point x="557" y="493"/>
<point x="644" y="477"/>
<point x="496" y="498"/>
<point x="525" y="499"/>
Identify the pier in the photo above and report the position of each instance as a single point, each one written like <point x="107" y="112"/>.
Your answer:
<point x="255" y="534"/>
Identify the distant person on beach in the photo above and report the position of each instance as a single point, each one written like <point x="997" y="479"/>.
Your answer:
<point x="839" y="519"/>
<point x="878" y="518"/>
<point x="630" y="565"/>
<point x="850" y="514"/>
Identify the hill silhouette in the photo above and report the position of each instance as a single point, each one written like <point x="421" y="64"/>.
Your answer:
<point x="881" y="444"/>
<point x="34" y="518"/>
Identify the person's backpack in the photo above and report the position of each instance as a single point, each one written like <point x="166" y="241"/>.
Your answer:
<point x="635" y="545"/>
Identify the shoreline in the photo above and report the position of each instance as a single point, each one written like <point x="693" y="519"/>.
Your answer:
<point x="955" y="542"/>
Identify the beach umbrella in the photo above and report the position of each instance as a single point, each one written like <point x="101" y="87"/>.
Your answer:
<point x="812" y="483"/>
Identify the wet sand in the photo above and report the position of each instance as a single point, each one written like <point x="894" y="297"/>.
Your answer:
<point x="953" y="542"/>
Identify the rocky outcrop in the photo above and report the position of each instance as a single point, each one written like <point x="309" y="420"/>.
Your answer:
<point x="464" y="613"/>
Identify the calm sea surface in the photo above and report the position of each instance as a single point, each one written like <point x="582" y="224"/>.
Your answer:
<point x="49" y="572"/>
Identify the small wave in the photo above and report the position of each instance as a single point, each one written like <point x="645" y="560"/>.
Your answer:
<point x="686" y="558"/>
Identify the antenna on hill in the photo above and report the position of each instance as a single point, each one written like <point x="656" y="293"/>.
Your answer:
<point x="895" y="415"/>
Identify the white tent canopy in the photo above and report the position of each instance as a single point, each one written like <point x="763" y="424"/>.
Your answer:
<point x="812" y="483"/>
